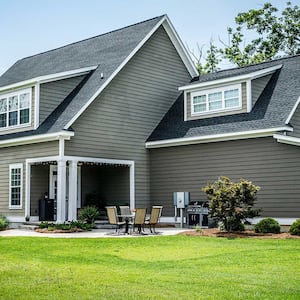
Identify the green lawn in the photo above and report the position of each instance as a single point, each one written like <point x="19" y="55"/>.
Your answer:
<point x="176" y="267"/>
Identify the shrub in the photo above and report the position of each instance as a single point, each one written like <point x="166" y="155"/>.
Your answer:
<point x="267" y="225"/>
<point x="65" y="226"/>
<point x="81" y="225"/>
<point x="295" y="228"/>
<point x="232" y="203"/>
<point x="88" y="214"/>
<point x="3" y="222"/>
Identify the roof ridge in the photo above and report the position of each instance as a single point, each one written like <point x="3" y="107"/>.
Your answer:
<point x="261" y="63"/>
<point x="93" y="37"/>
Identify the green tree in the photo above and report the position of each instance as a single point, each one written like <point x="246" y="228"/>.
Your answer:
<point x="212" y="59"/>
<point x="231" y="203"/>
<point x="275" y="35"/>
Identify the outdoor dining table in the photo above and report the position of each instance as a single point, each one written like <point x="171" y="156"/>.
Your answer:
<point x="127" y="218"/>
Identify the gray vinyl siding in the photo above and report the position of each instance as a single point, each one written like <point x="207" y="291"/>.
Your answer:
<point x="295" y="122"/>
<point x="188" y="106"/>
<point x="119" y="121"/>
<point x="53" y="93"/>
<point x="16" y="155"/>
<point x="257" y="86"/>
<point x="273" y="166"/>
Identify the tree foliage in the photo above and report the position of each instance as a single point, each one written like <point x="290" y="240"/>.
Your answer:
<point x="275" y="35"/>
<point x="212" y="59"/>
<point x="231" y="203"/>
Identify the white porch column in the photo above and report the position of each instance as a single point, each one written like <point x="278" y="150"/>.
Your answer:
<point x="61" y="191"/>
<point x="27" y="189"/>
<point x="132" y="185"/>
<point x="72" y="211"/>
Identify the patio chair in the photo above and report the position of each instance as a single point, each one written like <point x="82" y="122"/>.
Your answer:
<point x="139" y="219"/>
<point x="154" y="217"/>
<point x="125" y="211"/>
<point x="112" y="217"/>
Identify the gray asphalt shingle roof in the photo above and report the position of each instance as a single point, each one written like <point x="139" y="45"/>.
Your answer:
<point x="271" y="110"/>
<point x="107" y="51"/>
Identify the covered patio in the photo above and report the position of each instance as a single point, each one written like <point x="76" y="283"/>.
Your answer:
<point x="74" y="182"/>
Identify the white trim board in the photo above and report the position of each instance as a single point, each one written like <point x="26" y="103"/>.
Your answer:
<point x="228" y="79"/>
<point x="39" y="138"/>
<point x="285" y="139"/>
<point x="49" y="78"/>
<point x="217" y="137"/>
<point x="281" y="221"/>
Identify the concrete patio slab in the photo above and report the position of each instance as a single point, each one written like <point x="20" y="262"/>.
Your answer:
<point x="95" y="233"/>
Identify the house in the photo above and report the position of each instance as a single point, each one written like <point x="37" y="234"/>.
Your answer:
<point x="123" y="118"/>
<point x="240" y="123"/>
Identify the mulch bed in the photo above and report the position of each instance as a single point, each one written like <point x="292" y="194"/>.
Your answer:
<point x="45" y="230"/>
<point x="214" y="232"/>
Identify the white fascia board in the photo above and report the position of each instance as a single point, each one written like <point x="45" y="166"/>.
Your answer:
<point x="49" y="78"/>
<point x="217" y="137"/>
<point x="292" y="112"/>
<point x="100" y="160"/>
<point x="285" y="139"/>
<point x="166" y="23"/>
<point x="181" y="49"/>
<point x="39" y="138"/>
<point x="248" y="76"/>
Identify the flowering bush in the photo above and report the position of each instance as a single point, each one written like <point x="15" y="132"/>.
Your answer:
<point x="232" y="203"/>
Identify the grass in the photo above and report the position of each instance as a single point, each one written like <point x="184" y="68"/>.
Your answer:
<point x="176" y="267"/>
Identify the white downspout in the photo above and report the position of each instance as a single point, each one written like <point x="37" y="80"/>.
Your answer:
<point x="27" y="192"/>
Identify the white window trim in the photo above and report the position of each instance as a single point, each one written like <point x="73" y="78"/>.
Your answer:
<point x="11" y="167"/>
<point x="216" y="90"/>
<point x="14" y="93"/>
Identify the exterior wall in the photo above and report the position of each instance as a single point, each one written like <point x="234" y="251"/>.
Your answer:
<point x="295" y="122"/>
<point x="257" y="86"/>
<point x="273" y="166"/>
<point x="117" y="124"/>
<point x="109" y="184"/>
<point x="188" y="106"/>
<point x="53" y="93"/>
<point x="39" y="185"/>
<point x="19" y="154"/>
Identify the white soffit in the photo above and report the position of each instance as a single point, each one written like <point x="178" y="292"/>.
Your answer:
<point x="229" y="79"/>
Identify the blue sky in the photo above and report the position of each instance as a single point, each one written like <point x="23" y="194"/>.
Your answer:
<point x="33" y="26"/>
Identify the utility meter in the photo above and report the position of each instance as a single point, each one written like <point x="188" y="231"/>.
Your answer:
<point x="181" y="199"/>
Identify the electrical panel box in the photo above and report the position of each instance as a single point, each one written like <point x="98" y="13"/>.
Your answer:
<point x="181" y="199"/>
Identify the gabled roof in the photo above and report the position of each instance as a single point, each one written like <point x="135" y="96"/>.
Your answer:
<point x="271" y="112"/>
<point x="105" y="55"/>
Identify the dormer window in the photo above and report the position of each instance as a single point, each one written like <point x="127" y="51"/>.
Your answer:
<point x="215" y="100"/>
<point x="15" y="109"/>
